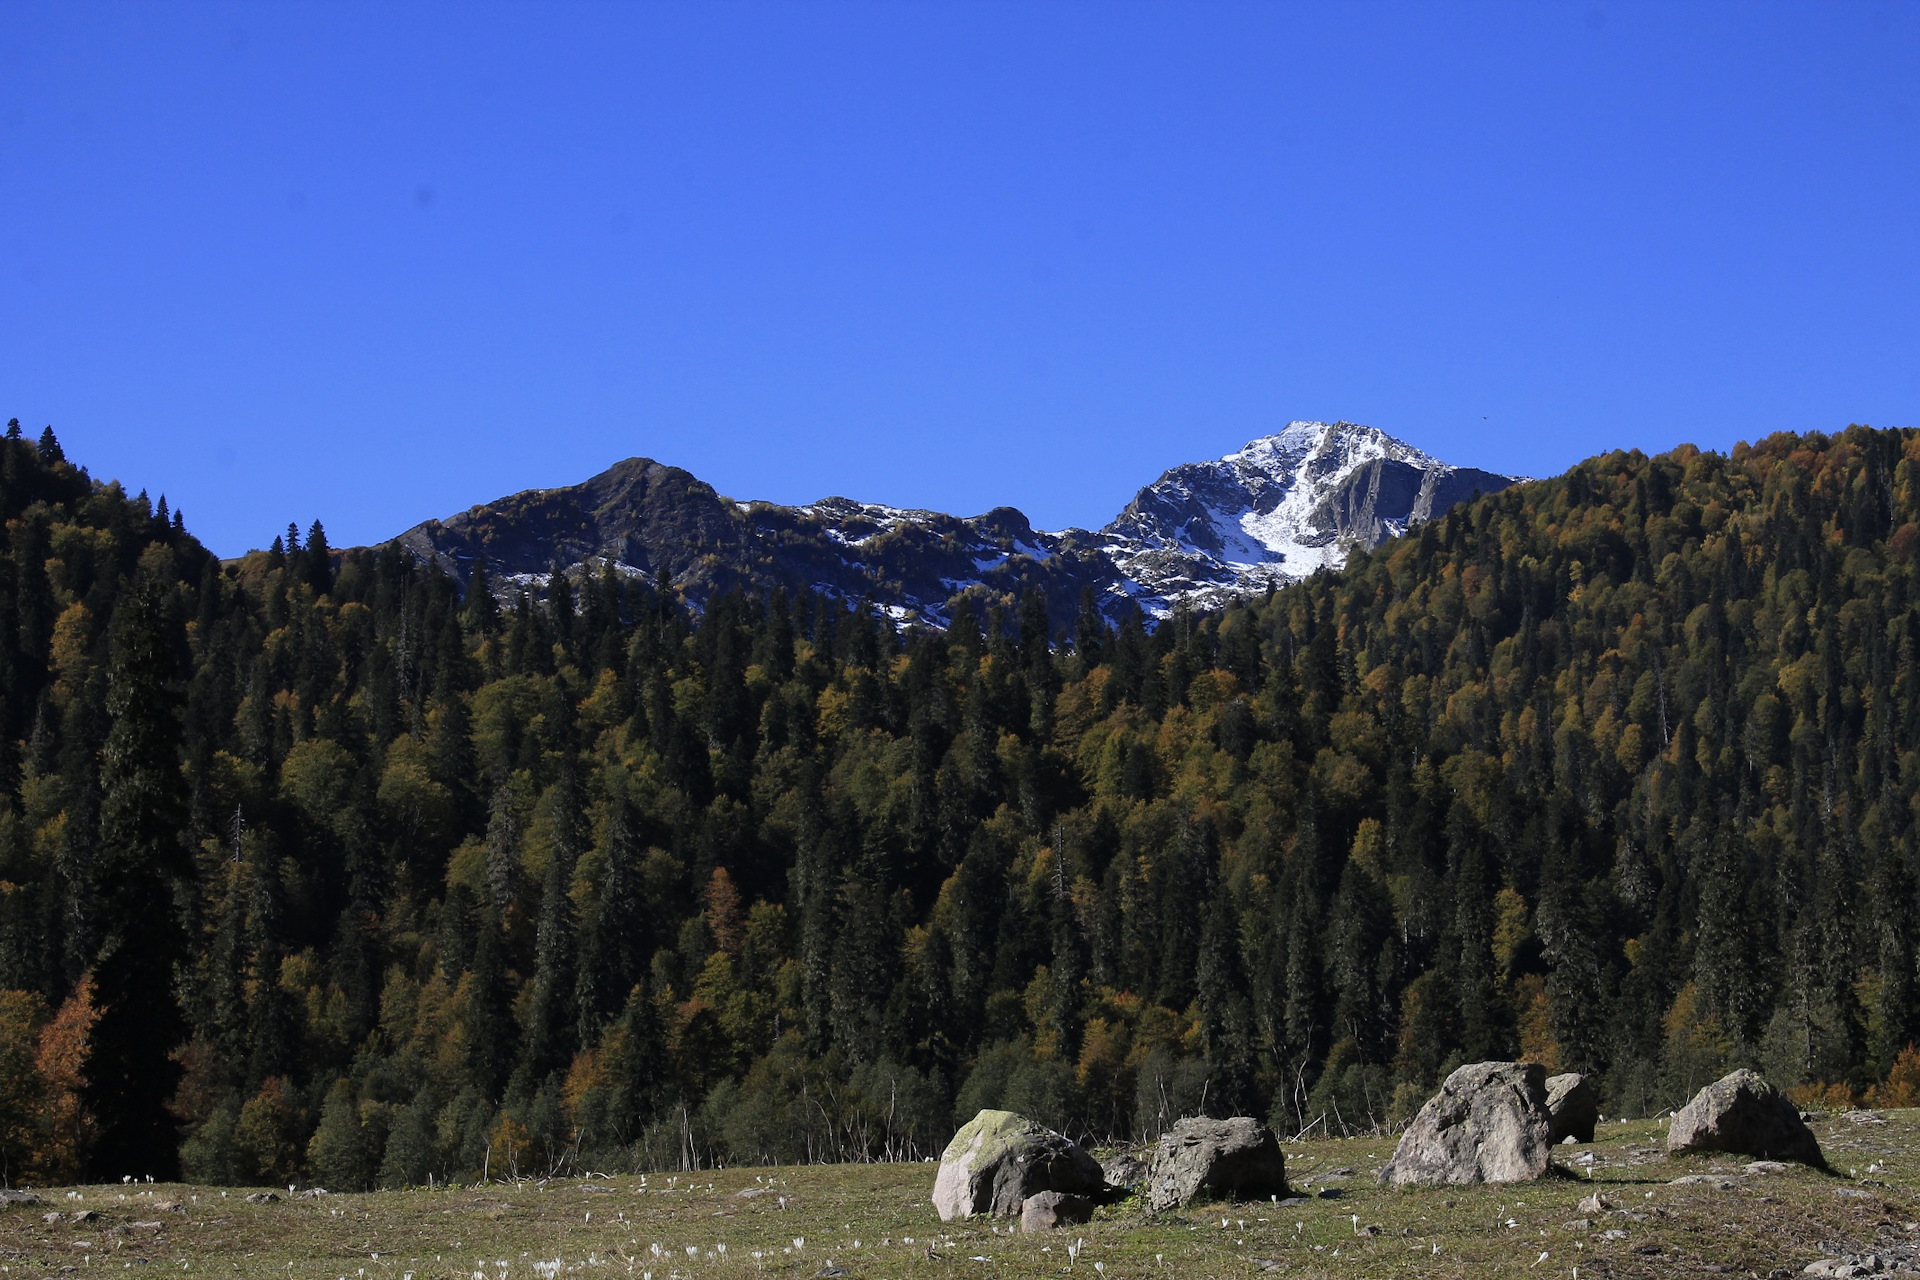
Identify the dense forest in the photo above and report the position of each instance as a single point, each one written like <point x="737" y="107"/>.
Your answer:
<point x="312" y="867"/>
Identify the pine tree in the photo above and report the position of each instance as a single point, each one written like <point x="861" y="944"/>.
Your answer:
<point x="617" y="942"/>
<point x="551" y="1020"/>
<point x="143" y="863"/>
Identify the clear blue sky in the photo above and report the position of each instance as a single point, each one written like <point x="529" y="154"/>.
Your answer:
<point x="378" y="262"/>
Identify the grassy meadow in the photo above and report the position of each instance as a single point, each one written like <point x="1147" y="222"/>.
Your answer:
<point x="875" y="1221"/>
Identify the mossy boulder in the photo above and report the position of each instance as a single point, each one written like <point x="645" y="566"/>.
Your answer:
<point x="999" y="1159"/>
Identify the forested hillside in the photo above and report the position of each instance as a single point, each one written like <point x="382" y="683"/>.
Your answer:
<point x="322" y="871"/>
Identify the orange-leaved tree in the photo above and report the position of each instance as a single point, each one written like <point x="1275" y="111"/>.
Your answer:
<point x="64" y="1051"/>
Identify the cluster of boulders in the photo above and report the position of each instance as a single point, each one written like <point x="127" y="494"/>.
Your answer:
<point x="1008" y="1166"/>
<point x="1497" y="1121"/>
<point x="1490" y="1122"/>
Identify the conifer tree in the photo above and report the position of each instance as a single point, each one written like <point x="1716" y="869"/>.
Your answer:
<point x="143" y="863"/>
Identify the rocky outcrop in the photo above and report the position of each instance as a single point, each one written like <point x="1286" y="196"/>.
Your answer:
<point x="1743" y="1113"/>
<point x="1574" y="1106"/>
<point x="1051" y="1209"/>
<point x="999" y="1159"/>
<point x="642" y="519"/>
<point x="1280" y="509"/>
<point x="1201" y="1159"/>
<point x="1276" y="510"/>
<point x="1488" y="1123"/>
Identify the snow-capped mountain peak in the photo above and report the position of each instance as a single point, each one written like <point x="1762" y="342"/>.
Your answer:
<point x="1278" y="509"/>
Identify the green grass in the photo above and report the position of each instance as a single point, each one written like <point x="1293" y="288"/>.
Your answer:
<point x="875" y="1221"/>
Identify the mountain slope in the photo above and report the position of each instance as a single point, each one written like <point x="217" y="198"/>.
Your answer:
<point x="1281" y="508"/>
<point x="1277" y="510"/>
<point x="644" y="518"/>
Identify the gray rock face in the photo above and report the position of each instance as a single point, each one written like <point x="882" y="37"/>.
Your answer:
<point x="641" y="518"/>
<point x="999" y="1159"/>
<point x="1051" y="1209"/>
<point x="1201" y="1159"/>
<point x="1742" y="1113"/>
<point x="1488" y="1123"/>
<point x="1124" y="1171"/>
<point x="1574" y="1106"/>
<point x="1279" y="509"/>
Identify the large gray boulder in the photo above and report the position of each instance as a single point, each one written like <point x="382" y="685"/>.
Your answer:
<point x="1201" y="1159"/>
<point x="1742" y="1113"/>
<point x="1574" y="1106"/>
<point x="999" y="1159"/>
<point x="1488" y="1123"/>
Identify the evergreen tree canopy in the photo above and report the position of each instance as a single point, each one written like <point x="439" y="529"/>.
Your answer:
<point x="308" y="865"/>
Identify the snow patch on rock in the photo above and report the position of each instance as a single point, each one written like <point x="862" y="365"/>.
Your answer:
<point x="1281" y="508"/>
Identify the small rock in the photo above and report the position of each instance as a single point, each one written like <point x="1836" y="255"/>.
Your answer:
<point x="1703" y="1180"/>
<point x="314" y="1193"/>
<point x="169" y="1206"/>
<point x="1595" y="1203"/>
<point x="55" y="1216"/>
<point x="146" y="1226"/>
<point x="10" y="1197"/>
<point x="264" y="1197"/>
<point x="1766" y="1166"/>
<point x="1613" y="1233"/>
<point x="1051" y="1209"/>
<point x="1854" y="1193"/>
<point x="1578" y="1224"/>
<point x="1124" y="1171"/>
<point x="1862" y="1117"/>
<point x="83" y="1215"/>
<point x="1329" y="1193"/>
<point x="1574" y="1106"/>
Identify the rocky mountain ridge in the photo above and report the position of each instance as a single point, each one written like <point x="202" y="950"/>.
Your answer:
<point x="1282" y="507"/>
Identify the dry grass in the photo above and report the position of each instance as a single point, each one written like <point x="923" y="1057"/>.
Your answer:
<point x="875" y="1221"/>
